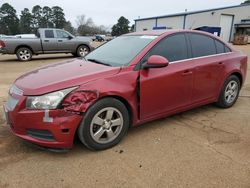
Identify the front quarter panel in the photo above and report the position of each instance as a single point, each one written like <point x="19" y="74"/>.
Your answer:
<point x="122" y="86"/>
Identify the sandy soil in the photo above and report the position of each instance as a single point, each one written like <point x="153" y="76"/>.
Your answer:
<point x="204" y="147"/>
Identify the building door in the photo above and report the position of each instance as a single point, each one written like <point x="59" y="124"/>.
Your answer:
<point x="226" y="23"/>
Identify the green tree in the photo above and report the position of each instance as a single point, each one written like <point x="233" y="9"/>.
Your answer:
<point x="58" y="17"/>
<point x="25" y="23"/>
<point x="122" y="27"/>
<point x="9" y="22"/>
<point x="68" y="27"/>
<point x="37" y="17"/>
<point x="47" y="16"/>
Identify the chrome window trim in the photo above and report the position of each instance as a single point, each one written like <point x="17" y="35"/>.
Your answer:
<point x="195" y="58"/>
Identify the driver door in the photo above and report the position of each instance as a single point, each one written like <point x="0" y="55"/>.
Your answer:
<point x="64" y="42"/>
<point x="165" y="90"/>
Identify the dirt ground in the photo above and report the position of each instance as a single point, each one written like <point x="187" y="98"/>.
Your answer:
<point x="204" y="147"/>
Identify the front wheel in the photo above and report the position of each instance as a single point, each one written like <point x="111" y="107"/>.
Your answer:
<point x="230" y="92"/>
<point x="24" y="54"/>
<point x="104" y="125"/>
<point x="82" y="51"/>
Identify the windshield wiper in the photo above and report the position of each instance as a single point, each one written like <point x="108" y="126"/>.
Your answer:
<point x="98" y="62"/>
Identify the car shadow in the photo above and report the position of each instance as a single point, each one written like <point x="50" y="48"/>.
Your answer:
<point x="143" y="128"/>
<point x="79" y="148"/>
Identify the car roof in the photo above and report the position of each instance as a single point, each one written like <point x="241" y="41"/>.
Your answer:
<point x="166" y="32"/>
<point x="171" y="31"/>
<point x="154" y="33"/>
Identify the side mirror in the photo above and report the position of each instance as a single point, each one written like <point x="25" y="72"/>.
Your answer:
<point x="70" y="37"/>
<point x="156" y="61"/>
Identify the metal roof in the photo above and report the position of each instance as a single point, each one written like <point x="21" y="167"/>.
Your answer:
<point x="193" y="12"/>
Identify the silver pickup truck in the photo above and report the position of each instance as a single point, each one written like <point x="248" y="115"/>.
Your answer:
<point x="47" y="41"/>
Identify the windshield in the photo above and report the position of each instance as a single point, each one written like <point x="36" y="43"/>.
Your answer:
<point x="120" y="51"/>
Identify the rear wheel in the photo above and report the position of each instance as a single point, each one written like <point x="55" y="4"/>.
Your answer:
<point x="82" y="51"/>
<point x="230" y="92"/>
<point x="104" y="124"/>
<point x="24" y="54"/>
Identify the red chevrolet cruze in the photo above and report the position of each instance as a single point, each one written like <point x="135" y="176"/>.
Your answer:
<point x="133" y="79"/>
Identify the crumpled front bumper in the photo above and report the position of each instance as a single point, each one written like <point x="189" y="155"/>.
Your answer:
<point x="52" y="129"/>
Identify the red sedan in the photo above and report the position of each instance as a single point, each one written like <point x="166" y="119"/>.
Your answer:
<point x="130" y="80"/>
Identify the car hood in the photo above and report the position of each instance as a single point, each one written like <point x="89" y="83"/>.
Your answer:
<point x="62" y="75"/>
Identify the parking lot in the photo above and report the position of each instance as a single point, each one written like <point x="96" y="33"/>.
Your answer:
<point x="204" y="147"/>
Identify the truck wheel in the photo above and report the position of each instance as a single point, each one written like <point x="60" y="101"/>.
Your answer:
<point x="24" y="54"/>
<point x="82" y="50"/>
<point x="104" y="124"/>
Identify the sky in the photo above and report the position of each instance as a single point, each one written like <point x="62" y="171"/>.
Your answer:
<point x="107" y="12"/>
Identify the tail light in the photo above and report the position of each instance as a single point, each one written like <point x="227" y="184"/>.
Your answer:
<point x="2" y="44"/>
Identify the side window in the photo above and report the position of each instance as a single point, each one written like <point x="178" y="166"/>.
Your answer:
<point x="61" y="34"/>
<point x="49" y="34"/>
<point x="202" y="45"/>
<point x="173" y="48"/>
<point x="220" y="47"/>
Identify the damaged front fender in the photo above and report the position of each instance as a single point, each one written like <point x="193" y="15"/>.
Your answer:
<point x="79" y="101"/>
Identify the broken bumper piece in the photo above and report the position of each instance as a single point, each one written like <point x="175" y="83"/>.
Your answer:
<point x="48" y="128"/>
<point x="32" y="126"/>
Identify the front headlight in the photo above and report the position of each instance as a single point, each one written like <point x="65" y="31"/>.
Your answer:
<point x="48" y="101"/>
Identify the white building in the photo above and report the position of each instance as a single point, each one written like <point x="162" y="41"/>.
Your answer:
<point x="225" y="18"/>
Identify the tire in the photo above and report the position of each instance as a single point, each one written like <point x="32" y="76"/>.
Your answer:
<point x="230" y="92"/>
<point x="74" y="54"/>
<point x="96" y="131"/>
<point x="82" y="51"/>
<point x="24" y="54"/>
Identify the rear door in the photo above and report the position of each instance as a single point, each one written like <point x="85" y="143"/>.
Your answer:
<point x="165" y="89"/>
<point x="209" y="66"/>
<point x="49" y="41"/>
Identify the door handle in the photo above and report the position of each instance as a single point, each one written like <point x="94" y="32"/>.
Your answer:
<point x="60" y="41"/>
<point x="221" y="63"/>
<point x="187" y="72"/>
<point x="46" y="40"/>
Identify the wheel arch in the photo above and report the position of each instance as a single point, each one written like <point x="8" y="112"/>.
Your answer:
<point x="125" y="102"/>
<point x="23" y="46"/>
<point x="83" y="45"/>
<point x="239" y="75"/>
<point x="235" y="73"/>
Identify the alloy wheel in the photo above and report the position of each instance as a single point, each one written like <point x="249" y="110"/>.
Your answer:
<point x="24" y="54"/>
<point x="83" y="51"/>
<point x="106" y="125"/>
<point x="231" y="91"/>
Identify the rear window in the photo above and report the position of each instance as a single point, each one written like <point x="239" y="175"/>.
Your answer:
<point x="220" y="47"/>
<point x="228" y="49"/>
<point x="202" y="45"/>
<point x="49" y="34"/>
